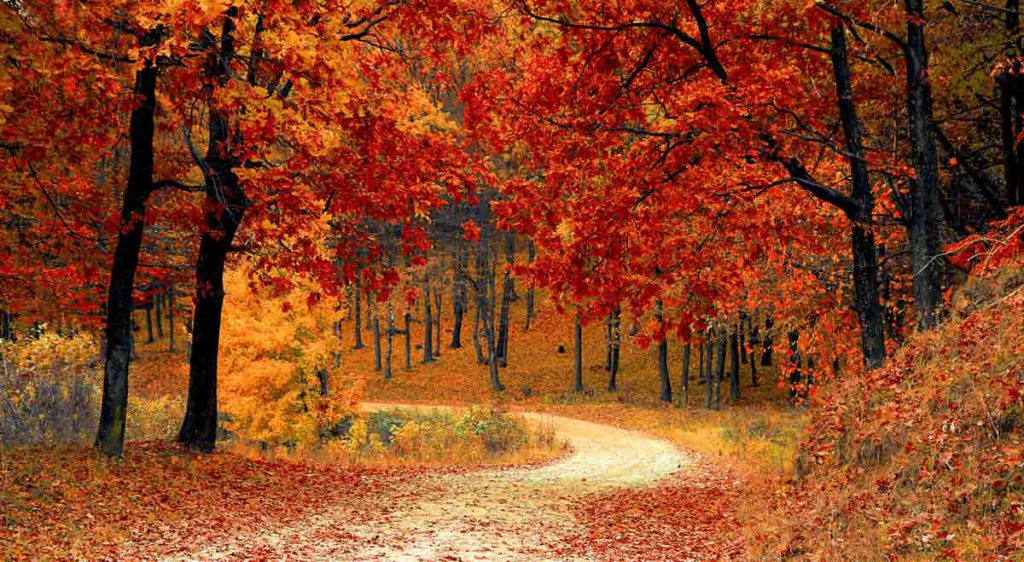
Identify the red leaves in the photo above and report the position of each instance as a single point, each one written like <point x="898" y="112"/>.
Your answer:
<point x="690" y="516"/>
<point x="471" y="231"/>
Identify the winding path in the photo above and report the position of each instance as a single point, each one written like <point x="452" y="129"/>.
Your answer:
<point x="503" y="514"/>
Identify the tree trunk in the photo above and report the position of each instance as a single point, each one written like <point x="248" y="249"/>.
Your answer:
<point x="458" y="297"/>
<point x="766" y="357"/>
<point x="508" y="286"/>
<point x="358" y="308"/>
<point x="477" y="345"/>
<point x="389" y="342"/>
<point x="700" y="364"/>
<point x="616" y="345"/>
<point x="1012" y="175"/>
<point x="437" y="322"/>
<point x="531" y="254"/>
<point x="608" y="343"/>
<point x="754" y="338"/>
<point x="6" y="329"/>
<point x="663" y="376"/>
<point x="322" y="378"/>
<point x="158" y="300"/>
<point x="578" y="355"/>
<point x="924" y="235"/>
<point x="684" y="389"/>
<point x="225" y="204"/>
<point x="1011" y="90"/>
<point x="149" y="323"/>
<point x="740" y="332"/>
<point x="118" y="332"/>
<point x="865" y="261"/>
<point x="376" y="328"/>
<point x="796" y="362"/>
<point x="485" y="296"/>
<point x="719" y="370"/>
<point x="408" y="341"/>
<point x="708" y="357"/>
<point x="734" y="367"/>
<point x="428" y="321"/>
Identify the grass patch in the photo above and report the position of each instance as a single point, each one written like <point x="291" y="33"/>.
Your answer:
<point x="477" y="436"/>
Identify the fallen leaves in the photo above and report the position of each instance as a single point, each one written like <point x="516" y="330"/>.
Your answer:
<point x="689" y="516"/>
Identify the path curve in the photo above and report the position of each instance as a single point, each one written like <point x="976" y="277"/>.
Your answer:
<point x="501" y="514"/>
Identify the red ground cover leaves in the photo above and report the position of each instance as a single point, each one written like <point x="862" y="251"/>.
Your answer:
<point x="160" y="501"/>
<point x="689" y="516"/>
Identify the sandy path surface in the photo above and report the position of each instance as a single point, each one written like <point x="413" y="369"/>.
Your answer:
<point x="504" y="514"/>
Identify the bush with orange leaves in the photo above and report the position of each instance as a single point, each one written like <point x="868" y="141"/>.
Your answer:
<point x="280" y="383"/>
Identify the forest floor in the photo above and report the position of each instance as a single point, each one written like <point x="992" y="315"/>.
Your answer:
<point x="616" y="496"/>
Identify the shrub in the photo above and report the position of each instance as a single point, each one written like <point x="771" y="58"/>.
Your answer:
<point x="480" y="435"/>
<point x="47" y="389"/>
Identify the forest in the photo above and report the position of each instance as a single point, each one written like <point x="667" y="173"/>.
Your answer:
<point x="511" y="280"/>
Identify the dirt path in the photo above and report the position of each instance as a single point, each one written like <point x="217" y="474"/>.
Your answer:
<point x="507" y="514"/>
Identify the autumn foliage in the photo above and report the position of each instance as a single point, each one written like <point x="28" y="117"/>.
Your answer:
<point x="784" y="235"/>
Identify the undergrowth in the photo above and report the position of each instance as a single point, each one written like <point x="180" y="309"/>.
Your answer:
<point x="921" y="459"/>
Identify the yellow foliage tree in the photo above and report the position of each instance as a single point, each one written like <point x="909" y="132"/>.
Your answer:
<point x="280" y="382"/>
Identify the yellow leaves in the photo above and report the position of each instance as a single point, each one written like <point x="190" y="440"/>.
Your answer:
<point x="564" y="231"/>
<point x="270" y="366"/>
<point x="422" y="115"/>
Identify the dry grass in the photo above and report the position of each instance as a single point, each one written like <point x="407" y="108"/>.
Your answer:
<point x="476" y="438"/>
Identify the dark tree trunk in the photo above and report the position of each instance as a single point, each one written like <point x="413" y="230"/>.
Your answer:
<point x="389" y="342"/>
<point x="734" y="367"/>
<point x="408" y="341"/>
<point x="754" y="340"/>
<point x="508" y="286"/>
<point x="924" y="233"/>
<point x="684" y="389"/>
<point x="709" y="355"/>
<point x="1008" y="132"/>
<point x="578" y="355"/>
<point x="378" y="365"/>
<point x="149" y="323"/>
<point x="531" y="254"/>
<point x="477" y="344"/>
<point x="743" y="341"/>
<point x="322" y="378"/>
<point x="865" y="261"/>
<point x="663" y="375"/>
<point x="700" y="363"/>
<point x="118" y="333"/>
<point x="358" y="308"/>
<point x="608" y="343"/>
<point x="616" y="346"/>
<point x="226" y="203"/>
<point x="458" y="297"/>
<point x="158" y="300"/>
<point x="719" y="370"/>
<point x="485" y="297"/>
<point x="437" y="322"/>
<point x="6" y="328"/>
<point x="336" y="353"/>
<point x="428" y="322"/>
<point x="766" y="357"/>
<point x="796" y="362"/>
<point x="1011" y="95"/>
